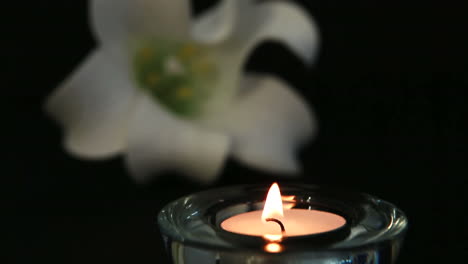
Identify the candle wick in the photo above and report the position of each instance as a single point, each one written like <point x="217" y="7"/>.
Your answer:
<point x="278" y="222"/>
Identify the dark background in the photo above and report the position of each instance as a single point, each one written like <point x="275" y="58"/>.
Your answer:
<point x="389" y="89"/>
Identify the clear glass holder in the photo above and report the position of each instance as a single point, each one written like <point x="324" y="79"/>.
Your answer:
<point x="191" y="230"/>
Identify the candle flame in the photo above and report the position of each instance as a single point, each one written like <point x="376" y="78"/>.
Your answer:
<point x="273" y="209"/>
<point x="274" y="203"/>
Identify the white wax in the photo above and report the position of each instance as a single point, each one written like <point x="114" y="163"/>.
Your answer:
<point x="297" y="222"/>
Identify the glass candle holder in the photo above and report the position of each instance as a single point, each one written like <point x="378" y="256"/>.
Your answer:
<point x="192" y="232"/>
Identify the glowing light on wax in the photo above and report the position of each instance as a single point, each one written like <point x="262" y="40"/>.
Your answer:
<point x="273" y="248"/>
<point x="280" y="219"/>
<point x="288" y="201"/>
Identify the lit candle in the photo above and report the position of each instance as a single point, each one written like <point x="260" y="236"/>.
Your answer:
<point x="227" y="225"/>
<point x="278" y="220"/>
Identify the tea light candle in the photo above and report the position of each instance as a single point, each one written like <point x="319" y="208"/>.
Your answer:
<point x="278" y="220"/>
<point x="228" y="225"/>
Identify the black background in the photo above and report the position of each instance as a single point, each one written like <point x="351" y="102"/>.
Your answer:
<point x="388" y="88"/>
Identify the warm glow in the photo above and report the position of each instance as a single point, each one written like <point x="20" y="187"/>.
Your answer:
<point x="273" y="238"/>
<point x="273" y="248"/>
<point x="286" y="221"/>
<point x="274" y="204"/>
<point x="288" y="197"/>
<point x="273" y="209"/>
<point x="289" y="201"/>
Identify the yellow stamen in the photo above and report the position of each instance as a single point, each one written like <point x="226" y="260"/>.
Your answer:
<point x="146" y="53"/>
<point x="187" y="51"/>
<point x="152" y="79"/>
<point x="203" y="66"/>
<point x="184" y="92"/>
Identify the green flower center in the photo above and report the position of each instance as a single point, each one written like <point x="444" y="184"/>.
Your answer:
<point x="178" y="75"/>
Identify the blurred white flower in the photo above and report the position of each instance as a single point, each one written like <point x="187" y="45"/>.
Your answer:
<point x="170" y="93"/>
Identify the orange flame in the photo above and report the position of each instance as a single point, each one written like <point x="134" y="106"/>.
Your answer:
<point x="274" y="204"/>
<point x="273" y="209"/>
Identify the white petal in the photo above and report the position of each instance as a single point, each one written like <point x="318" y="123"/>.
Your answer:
<point x="217" y="23"/>
<point x="268" y="125"/>
<point x="158" y="141"/>
<point x="117" y="20"/>
<point x="93" y="106"/>
<point x="280" y="21"/>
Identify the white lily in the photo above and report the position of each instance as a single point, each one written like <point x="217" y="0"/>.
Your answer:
<point x="169" y="93"/>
